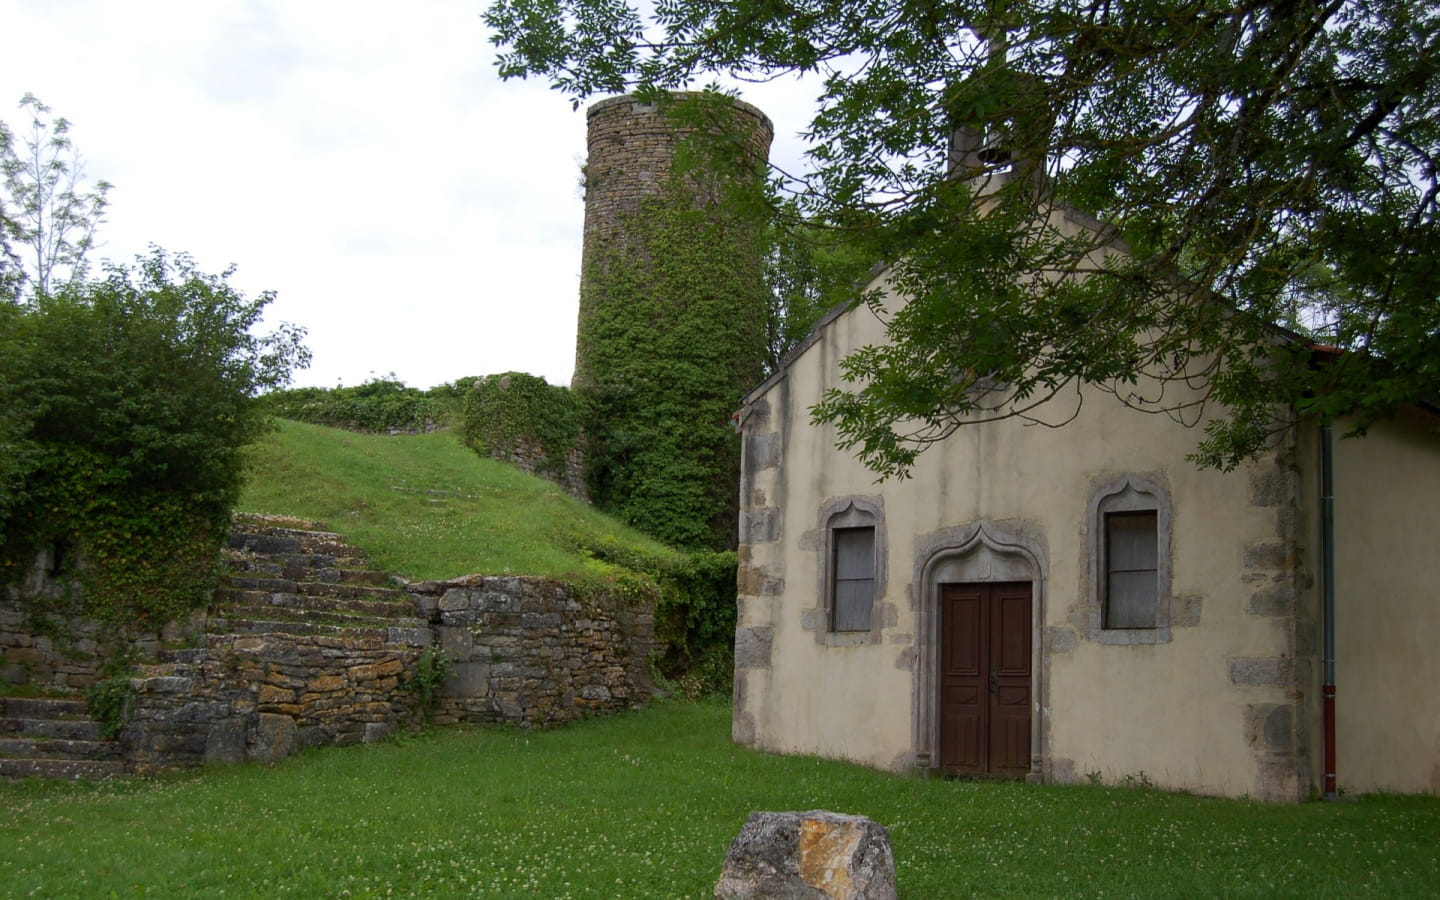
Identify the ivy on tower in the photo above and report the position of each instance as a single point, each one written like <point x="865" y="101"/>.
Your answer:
<point x="672" y="308"/>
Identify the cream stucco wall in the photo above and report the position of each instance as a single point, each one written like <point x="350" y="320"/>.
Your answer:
<point x="1221" y="705"/>
<point x="1387" y="597"/>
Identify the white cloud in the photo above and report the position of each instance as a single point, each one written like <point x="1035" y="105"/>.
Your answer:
<point x="361" y="159"/>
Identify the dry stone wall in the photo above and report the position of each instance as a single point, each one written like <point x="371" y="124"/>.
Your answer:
<point x="277" y="669"/>
<point x="532" y="650"/>
<point x="262" y="697"/>
<point x="525" y="650"/>
<point x="45" y="641"/>
<point x="529" y="456"/>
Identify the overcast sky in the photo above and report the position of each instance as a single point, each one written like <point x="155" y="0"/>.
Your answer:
<point x="361" y="159"/>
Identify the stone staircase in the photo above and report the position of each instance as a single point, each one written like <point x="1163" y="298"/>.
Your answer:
<point x="285" y="576"/>
<point x="53" y="737"/>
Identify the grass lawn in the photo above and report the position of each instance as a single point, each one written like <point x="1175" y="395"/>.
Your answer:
<point x="645" y="804"/>
<point x="426" y="506"/>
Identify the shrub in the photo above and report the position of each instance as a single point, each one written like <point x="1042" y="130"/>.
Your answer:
<point x="129" y="400"/>
<point x="110" y="700"/>
<point x="378" y="405"/>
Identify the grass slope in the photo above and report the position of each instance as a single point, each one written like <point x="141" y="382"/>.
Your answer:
<point x="644" y="805"/>
<point x="424" y="506"/>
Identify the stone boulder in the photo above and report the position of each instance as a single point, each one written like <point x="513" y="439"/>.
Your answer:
<point x="816" y="855"/>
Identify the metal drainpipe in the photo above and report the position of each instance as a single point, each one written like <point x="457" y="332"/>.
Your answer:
<point x="1327" y="552"/>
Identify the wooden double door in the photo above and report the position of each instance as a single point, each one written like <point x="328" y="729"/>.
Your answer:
<point x="985" y="679"/>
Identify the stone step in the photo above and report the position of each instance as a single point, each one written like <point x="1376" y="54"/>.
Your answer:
<point x="264" y="522"/>
<point x="174" y="668"/>
<point x="353" y="592"/>
<point x="322" y="569"/>
<point x="315" y="587"/>
<point x="339" y="574"/>
<point x="384" y="601"/>
<point x="61" y="768"/>
<point x="403" y="635"/>
<point x="60" y="729"/>
<point x="281" y="626"/>
<point x="57" y="748"/>
<point x="271" y="585"/>
<point x="344" y="617"/>
<point x="291" y="540"/>
<point x="44" y="707"/>
<point x="276" y="541"/>
<point x="227" y="599"/>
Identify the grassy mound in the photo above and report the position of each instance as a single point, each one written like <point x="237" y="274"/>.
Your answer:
<point x="425" y="507"/>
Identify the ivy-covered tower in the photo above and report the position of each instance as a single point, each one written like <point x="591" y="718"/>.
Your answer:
<point x="672" y="308"/>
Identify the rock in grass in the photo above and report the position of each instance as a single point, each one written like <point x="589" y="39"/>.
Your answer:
<point x="816" y="855"/>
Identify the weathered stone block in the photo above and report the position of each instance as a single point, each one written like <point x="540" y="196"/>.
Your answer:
<point x="454" y="600"/>
<point x="467" y="680"/>
<point x="1263" y="671"/>
<point x="1275" y="600"/>
<point x="752" y="647"/>
<point x="225" y="742"/>
<point x="1271" y="555"/>
<point x="759" y="525"/>
<point x="1059" y="639"/>
<point x="762" y="451"/>
<point x="325" y="683"/>
<point x="377" y="731"/>
<point x="755" y="582"/>
<point x="162" y="684"/>
<point x="271" y="694"/>
<point x="1185" y="610"/>
<point x="1268" y="488"/>
<point x="808" y="856"/>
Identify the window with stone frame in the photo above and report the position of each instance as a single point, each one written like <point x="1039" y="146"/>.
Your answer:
<point x="1131" y="569"/>
<point x="852" y="581"/>
<point x="852" y="571"/>
<point x="1129" y="558"/>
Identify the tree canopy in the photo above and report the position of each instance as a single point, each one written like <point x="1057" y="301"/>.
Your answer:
<point x="1269" y="168"/>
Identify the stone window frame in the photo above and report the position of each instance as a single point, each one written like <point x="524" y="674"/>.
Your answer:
<point x="849" y="512"/>
<point x="1128" y="493"/>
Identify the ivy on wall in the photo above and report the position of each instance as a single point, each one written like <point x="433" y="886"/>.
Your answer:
<point x="694" y="598"/>
<point x="501" y="411"/>
<point x="673" y="336"/>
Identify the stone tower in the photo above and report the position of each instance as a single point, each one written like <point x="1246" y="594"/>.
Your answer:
<point x="673" y="306"/>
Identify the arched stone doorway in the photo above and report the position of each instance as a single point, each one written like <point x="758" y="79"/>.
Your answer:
<point x="979" y="573"/>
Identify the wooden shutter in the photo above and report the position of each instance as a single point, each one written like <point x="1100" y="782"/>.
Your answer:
<point x="854" y="578"/>
<point x="1131" y="570"/>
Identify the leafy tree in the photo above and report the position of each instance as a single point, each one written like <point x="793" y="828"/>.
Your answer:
<point x="128" y="401"/>
<point x="48" y="224"/>
<point x="1261" y="163"/>
<point x="810" y="269"/>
